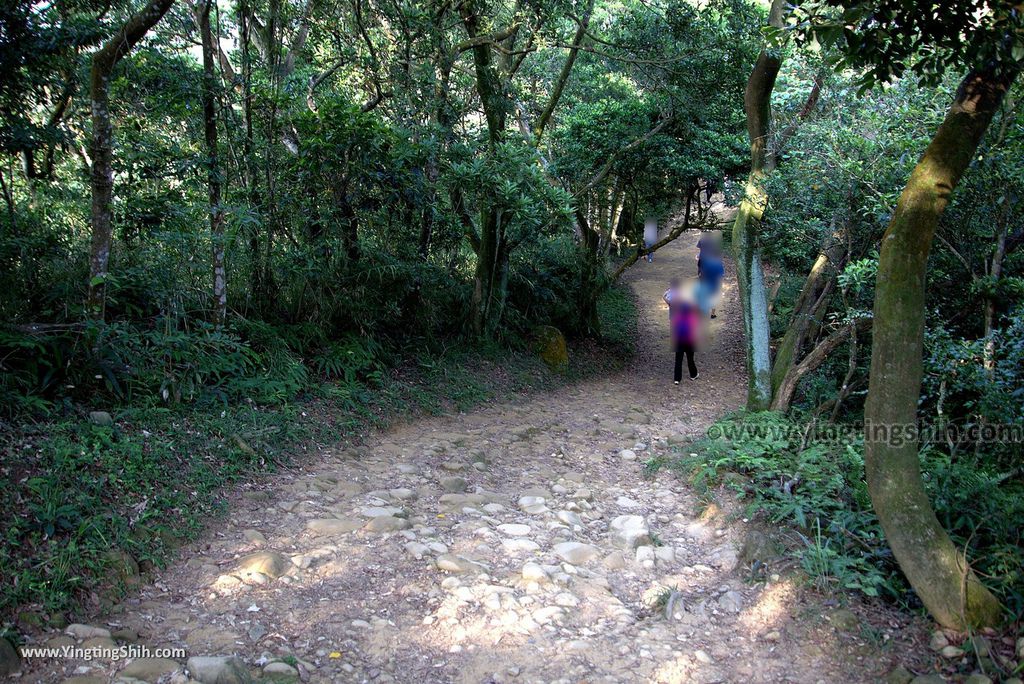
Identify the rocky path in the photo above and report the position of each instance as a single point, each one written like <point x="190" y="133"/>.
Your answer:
<point x="518" y="543"/>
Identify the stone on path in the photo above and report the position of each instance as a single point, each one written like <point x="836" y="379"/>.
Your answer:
<point x="515" y="529"/>
<point x="80" y="631"/>
<point x="218" y="670"/>
<point x="279" y="670"/>
<point x="387" y="523"/>
<point x="952" y="652"/>
<point x="533" y="504"/>
<point x="731" y="602"/>
<point x="149" y="669"/>
<point x="583" y="494"/>
<point x="520" y="545"/>
<point x="538" y="492"/>
<point x="629" y="531"/>
<point x="453" y="485"/>
<point x="457" y="564"/>
<point x="533" y="572"/>
<point x="417" y="550"/>
<point x="576" y="553"/>
<point x="615" y="561"/>
<point x="331" y="526"/>
<point x="844" y="620"/>
<point x="378" y="511"/>
<point x="569" y="518"/>
<point x="978" y="678"/>
<point x="268" y="563"/>
<point x="453" y="502"/>
<point x="938" y="641"/>
<point x="254" y="536"/>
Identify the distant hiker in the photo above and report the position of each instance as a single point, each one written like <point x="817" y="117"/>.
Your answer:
<point x="684" y="321"/>
<point x="650" y="237"/>
<point x="710" y="271"/>
<point x="710" y="188"/>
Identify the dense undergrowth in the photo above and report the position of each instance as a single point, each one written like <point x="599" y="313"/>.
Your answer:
<point x="808" y="481"/>
<point x="81" y="499"/>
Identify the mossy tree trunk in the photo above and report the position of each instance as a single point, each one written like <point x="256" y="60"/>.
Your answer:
<point x="935" y="567"/>
<point x="213" y="176"/>
<point x="102" y="176"/>
<point x="749" y="270"/>
<point x="487" y="279"/>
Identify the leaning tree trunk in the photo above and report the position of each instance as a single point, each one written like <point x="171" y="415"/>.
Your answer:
<point x="749" y="271"/>
<point x="935" y="567"/>
<point x="817" y="356"/>
<point x="812" y="298"/>
<point x="220" y="287"/>
<point x="103" y="62"/>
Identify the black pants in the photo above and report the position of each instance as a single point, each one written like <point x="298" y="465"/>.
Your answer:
<point x="684" y="349"/>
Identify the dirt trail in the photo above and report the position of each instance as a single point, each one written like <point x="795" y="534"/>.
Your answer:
<point x="440" y="551"/>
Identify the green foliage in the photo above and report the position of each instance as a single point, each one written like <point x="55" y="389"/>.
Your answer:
<point x="812" y="481"/>
<point x="886" y="37"/>
<point x="960" y="395"/>
<point x="143" y="486"/>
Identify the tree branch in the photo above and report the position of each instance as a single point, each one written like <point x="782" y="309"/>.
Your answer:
<point x="563" y="76"/>
<point x="600" y="175"/>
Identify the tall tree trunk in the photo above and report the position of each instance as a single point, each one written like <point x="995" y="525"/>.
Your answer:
<point x="220" y="287"/>
<point x="102" y="181"/>
<point x="996" y="271"/>
<point x="749" y="271"/>
<point x="590" y="270"/>
<point x="487" y="294"/>
<point x="491" y="263"/>
<point x="935" y="567"/>
<point x="250" y="175"/>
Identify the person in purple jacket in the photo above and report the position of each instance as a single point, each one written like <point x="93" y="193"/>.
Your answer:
<point x="684" y="320"/>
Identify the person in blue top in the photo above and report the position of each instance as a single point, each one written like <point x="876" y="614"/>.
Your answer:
<point x="710" y="271"/>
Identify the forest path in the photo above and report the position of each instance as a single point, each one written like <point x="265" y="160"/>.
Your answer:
<point x="476" y="548"/>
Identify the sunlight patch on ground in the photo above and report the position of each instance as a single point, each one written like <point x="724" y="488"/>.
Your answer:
<point x="677" y="671"/>
<point x="771" y="608"/>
